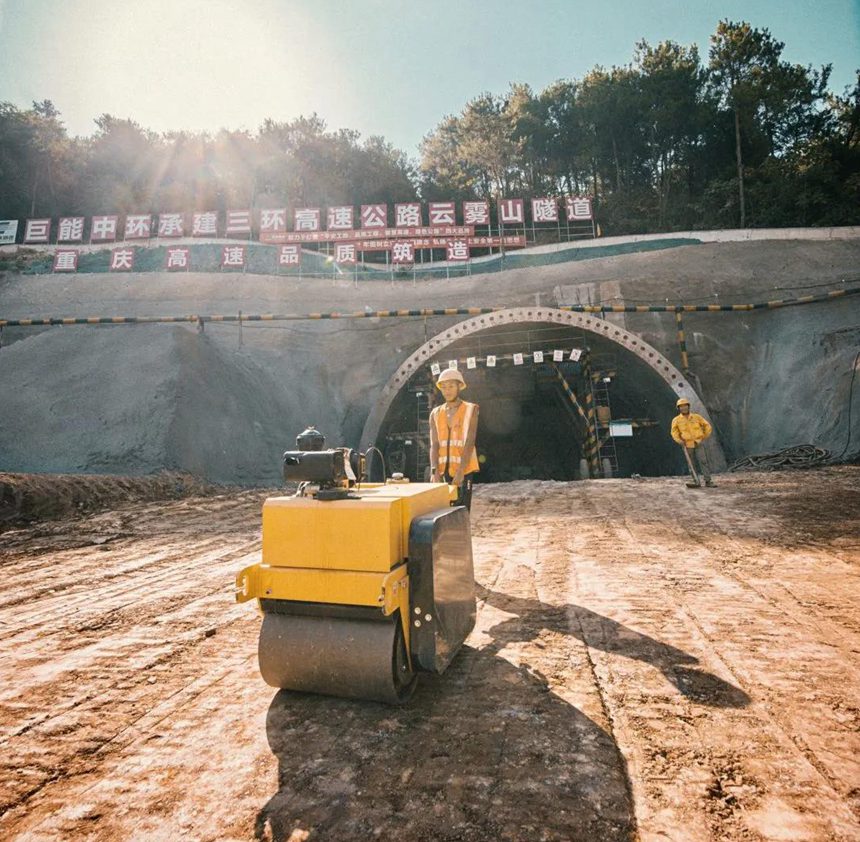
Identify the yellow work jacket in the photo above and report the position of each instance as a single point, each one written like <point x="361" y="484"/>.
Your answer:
<point x="452" y="439"/>
<point x="690" y="430"/>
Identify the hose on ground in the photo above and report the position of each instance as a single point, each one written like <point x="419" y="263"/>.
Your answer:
<point x="798" y="456"/>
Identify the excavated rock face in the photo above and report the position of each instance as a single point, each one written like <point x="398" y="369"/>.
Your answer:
<point x="224" y="405"/>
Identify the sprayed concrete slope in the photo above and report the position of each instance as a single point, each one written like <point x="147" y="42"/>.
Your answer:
<point x="138" y="399"/>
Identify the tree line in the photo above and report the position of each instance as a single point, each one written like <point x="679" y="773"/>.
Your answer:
<point x="666" y="142"/>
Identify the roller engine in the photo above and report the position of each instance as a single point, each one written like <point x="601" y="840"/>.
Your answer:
<point x="361" y="585"/>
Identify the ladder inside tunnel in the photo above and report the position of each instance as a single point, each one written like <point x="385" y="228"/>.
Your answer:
<point x="607" y="453"/>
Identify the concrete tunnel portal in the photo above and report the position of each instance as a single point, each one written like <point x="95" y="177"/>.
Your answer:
<point x="530" y="425"/>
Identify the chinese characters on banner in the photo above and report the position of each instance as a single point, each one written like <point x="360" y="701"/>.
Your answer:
<point x="289" y="256"/>
<point x="66" y="260"/>
<point x="476" y="213"/>
<point x="458" y="250"/>
<point x="578" y="208"/>
<point x="511" y="212"/>
<point x="307" y="219"/>
<point x="407" y="215"/>
<point x="71" y="229"/>
<point x="374" y="216"/>
<point x="402" y="253"/>
<point x="273" y="221"/>
<point x="122" y="260"/>
<point x="350" y="229"/>
<point x="238" y="222"/>
<point x="103" y="229"/>
<point x="204" y="224"/>
<point x="8" y="231"/>
<point x="177" y="257"/>
<point x="138" y="227"/>
<point x="544" y="210"/>
<point x="340" y="218"/>
<point x="517" y="358"/>
<point x="233" y="257"/>
<point x="369" y="237"/>
<point x="37" y="231"/>
<point x="171" y="225"/>
<point x="442" y="213"/>
<point x="344" y="253"/>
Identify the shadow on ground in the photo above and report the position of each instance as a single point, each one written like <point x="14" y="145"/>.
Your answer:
<point x="485" y="752"/>
<point x="599" y="632"/>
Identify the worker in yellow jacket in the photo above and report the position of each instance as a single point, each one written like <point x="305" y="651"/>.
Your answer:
<point x="690" y="430"/>
<point x="453" y="429"/>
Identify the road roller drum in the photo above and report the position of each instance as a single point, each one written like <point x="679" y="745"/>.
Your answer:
<point x="360" y="659"/>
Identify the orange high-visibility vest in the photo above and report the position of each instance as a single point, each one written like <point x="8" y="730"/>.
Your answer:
<point x="452" y="440"/>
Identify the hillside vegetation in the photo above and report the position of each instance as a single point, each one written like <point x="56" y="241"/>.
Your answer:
<point x="667" y="142"/>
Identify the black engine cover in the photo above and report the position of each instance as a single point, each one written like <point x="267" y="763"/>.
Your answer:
<point x="441" y="587"/>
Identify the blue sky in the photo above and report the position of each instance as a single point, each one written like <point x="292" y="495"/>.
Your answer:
<point x="378" y="66"/>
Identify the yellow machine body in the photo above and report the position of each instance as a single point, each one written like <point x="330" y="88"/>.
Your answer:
<point x="340" y="551"/>
<point x="370" y="533"/>
<point x="324" y="556"/>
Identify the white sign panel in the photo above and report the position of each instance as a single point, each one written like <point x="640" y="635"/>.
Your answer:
<point x="8" y="231"/>
<point x="620" y="429"/>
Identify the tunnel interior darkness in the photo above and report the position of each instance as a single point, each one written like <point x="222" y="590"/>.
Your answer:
<point x="529" y="427"/>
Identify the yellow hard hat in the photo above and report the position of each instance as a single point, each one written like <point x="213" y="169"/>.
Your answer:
<point x="451" y="374"/>
<point x="682" y="401"/>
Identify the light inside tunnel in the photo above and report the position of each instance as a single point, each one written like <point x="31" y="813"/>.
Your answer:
<point x="531" y="426"/>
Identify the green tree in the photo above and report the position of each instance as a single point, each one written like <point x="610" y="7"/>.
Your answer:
<point x="671" y="83"/>
<point x="561" y="144"/>
<point x="476" y="152"/>
<point x="123" y="167"/>
<point x="775" y="105"/>
<point x="36" y="160"/>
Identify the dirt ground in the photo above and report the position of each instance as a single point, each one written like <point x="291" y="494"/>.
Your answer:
<point x="649" y="663"/>
<point x="34" y="497"/>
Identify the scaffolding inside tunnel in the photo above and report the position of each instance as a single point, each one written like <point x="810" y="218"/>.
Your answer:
<point x="584" y="409"/>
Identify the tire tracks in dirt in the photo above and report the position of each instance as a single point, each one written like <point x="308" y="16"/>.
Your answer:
<point x="611" y="655"/>
<point x="95" y="682"/>
<point x="701" y="573"/>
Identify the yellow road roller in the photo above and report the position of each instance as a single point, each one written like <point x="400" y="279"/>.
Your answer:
<point x="361" y="585"/>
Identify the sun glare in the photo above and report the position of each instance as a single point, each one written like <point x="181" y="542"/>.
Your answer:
<point x="201" y="65"/>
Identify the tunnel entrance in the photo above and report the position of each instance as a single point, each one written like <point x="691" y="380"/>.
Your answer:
<point x="594" y="405"/>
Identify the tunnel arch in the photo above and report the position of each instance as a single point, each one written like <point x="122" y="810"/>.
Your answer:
<point x="586" y="322"/>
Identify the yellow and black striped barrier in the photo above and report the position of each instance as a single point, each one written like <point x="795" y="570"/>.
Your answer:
<point x="591" y="412"/>
<point x="45" y="321"/>
<point x="590" y="449"/>
<point x="597" y="376"/>
<point x="682" y="343"/>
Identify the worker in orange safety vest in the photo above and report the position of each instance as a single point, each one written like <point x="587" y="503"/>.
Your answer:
<point x="453" y="429"/>
<point x="690" y="430"/>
